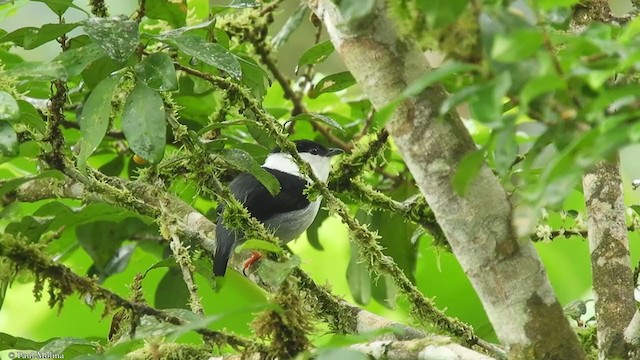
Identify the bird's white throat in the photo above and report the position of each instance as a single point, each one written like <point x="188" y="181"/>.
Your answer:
<point x="320" y="165"/>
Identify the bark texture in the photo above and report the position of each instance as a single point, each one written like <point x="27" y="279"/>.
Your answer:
<point x="506" y="273"/>
<point x="632" y="336"/>
<point x="610" y="261"/>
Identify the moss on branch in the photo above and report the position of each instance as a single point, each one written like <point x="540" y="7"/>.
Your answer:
<point x="63" y="282"/>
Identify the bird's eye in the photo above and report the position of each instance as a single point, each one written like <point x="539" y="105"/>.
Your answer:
<point x="313" y="151"/>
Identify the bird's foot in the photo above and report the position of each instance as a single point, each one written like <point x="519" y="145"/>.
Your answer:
<point x="255" y="256"/>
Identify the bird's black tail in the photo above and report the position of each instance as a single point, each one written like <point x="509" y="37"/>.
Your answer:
<point x="225" y="242"/>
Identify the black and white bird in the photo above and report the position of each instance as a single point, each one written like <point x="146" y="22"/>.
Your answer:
<point x="289" y="213"/>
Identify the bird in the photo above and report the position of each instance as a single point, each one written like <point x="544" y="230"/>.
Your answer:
<point x="289" y="213"/>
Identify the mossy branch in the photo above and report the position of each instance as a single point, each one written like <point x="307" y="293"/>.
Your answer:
<point x="98" y="8"/>
<point x="64" y="282"/>
<point x="422" y="308"/>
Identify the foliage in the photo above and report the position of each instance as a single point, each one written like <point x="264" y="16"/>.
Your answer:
<point x="176" y="99"/>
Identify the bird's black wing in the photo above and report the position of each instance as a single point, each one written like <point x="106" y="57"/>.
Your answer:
<point x="261" y="205"/>
<point x="259" y="201"/>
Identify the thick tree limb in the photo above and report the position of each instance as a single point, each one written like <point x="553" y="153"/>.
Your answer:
<point x="610" y="261"/>
<point x="435" y="348"/>
<point x="506" y="272"/>
<point x="430" y="348"/>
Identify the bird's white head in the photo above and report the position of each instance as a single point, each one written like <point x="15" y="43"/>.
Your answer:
<point x="318" y="156"/>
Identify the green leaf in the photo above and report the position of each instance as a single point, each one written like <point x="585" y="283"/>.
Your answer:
<point x="261" y="137"/>
<point x="332" y="83"/>
<point x="316" y="54"/>
<point x="101" y="68"/>
<point x="32" y="37"/>
<point x="170" y="11"/>
<point x="143" y="123"/>
<point x="9" y="109"/>
<point x="94" y="119"/>
<point x="171" y="291"/>
<point x="254" y="244"/>
<point x="457" y="98"/>
<point x="182" y="30"/>
<point x="385" y="291"/>
<point x="30" y="227"/>
<point x="9" y="342"/>
<point x="157" y="72"/>
<point x="506" y="149"/>
<point x="516" y="46"/>
<point x="467" y="170"/>
<point x="290" y="26"/>
<point x="440" y="13"/>
<point x="166" y="262"/>
<point x="75" y="60"/>
<point x="12" y="184"/>
<point x="4" y="285"/>
<point x="318" y="117"/>
<point x="243" y="161"/>
<point x="8" y="140"/>
<point x="115" y="265"/>
<point x="312" y="231"/>
<point x="102" y="239"/>
<point x="60" y="6"/>
<point x="435" y="76"/>
<point x="29" y="116"/>
<point x="487" y="103"/>
<point x="38" y="71"/>
<point x="113" y="167"/>
<point x="358" y="278"/>
<point x="213" y="54"/>
<point x="618" y="96"/>
<point x="66" y="217"/>
<point x="58" y="346"/>
<point x="383" y="115"/>
<point x="275" y="273"/>
<point x="541" y="85"/>
<point x="254" y="76"/>
<point x="117" y="35"/>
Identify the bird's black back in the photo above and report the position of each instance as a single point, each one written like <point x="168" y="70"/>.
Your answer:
<point x="260" y="204"/>
<point x="259" y="201"/>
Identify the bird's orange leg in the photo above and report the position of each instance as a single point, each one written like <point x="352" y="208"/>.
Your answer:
<point x="255" y="256"/>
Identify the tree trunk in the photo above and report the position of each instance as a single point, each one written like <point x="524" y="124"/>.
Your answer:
<point x="505" y="271"/>
<point x="610" y="262"/>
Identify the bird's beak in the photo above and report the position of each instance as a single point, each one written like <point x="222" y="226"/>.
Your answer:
<point x="334" y="152"/>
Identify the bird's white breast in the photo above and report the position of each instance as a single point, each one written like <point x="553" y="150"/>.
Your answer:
<point x="290" y="225"/>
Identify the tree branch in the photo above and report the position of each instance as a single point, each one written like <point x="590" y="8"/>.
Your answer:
<point x="506" y="273"/>
<point x="65" y="282"/>
<point x="340" y="314"/>
<point x="632" y="336"/>
<point x="610" y="260"/>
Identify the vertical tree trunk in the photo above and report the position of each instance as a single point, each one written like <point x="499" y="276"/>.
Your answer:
<point x="505" y="271"/>
<point x="610" y="262"/>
